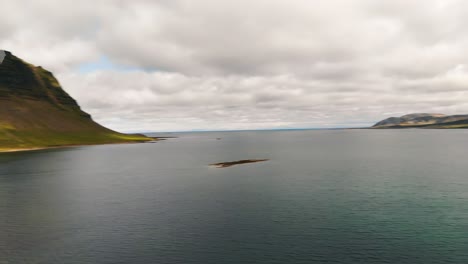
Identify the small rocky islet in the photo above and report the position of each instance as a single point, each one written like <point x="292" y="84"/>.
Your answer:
<point x="238" y="162"/>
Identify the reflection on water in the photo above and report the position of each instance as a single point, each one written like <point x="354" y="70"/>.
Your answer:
<point x="345" y="196"/>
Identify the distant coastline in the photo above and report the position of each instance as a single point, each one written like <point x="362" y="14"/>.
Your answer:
<point x="424" y="120"/>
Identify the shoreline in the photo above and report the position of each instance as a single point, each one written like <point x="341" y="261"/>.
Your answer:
<point x="21" y="149"/>
<point x="13" y="150"/>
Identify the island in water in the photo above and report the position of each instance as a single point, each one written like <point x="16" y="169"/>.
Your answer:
<point x="232" y="163"/>
<point x="35" y="112"/>
<point x="424" y="120"/>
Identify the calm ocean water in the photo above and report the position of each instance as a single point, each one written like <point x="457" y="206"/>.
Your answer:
<point x="339" y="196"/>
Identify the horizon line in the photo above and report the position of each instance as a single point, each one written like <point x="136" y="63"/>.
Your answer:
<point x="247" y="130"/>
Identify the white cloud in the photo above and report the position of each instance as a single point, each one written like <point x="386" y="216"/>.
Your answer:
<point x="211" y="64"/>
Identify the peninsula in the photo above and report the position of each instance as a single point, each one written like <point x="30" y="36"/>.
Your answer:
<point x="35" y="112"/>
<point x="424" y="120"/>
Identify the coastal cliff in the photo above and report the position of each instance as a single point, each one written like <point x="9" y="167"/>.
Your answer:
<point x="35" y="112"/>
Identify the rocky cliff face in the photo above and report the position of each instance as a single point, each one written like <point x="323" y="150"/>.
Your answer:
<point x="424" y="120"/>
<point x="36" y="112"/>
<point x="19" y="79"/>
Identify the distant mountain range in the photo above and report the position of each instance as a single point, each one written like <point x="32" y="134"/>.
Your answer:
<point x="36" y="112"/>
<point x="424" y="120"/>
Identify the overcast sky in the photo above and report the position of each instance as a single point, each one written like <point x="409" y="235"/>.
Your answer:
<point x="247" y="64"/>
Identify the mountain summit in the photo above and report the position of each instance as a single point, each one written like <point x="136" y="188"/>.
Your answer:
<point x="424" y="120"/>
<point x="36" y="112"/>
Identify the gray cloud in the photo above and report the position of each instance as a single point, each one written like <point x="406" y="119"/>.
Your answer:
<point x="2" y="56"/>
<point x="242" y="64"/>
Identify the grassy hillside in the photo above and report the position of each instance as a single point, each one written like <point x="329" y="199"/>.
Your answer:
<point x="451" y="125"/>
<point x="36" y="112"/>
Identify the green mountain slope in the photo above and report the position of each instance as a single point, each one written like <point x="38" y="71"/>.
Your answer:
<point x="36" y="112"/>
<point x="424" y="120"/>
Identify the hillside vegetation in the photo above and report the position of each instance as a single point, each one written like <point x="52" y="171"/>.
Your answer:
<point x="36" y="112"/>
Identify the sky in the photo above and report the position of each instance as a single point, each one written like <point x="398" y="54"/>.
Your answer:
<point x="181" y="65"/>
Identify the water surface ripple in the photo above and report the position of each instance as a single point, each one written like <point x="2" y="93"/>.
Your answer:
<point x="344" y="196"/>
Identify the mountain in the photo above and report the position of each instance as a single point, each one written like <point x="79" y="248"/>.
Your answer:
<point x="36" y="112"/>
<point x="424" y="120"/>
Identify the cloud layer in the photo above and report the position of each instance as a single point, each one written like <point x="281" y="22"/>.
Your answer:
<point x="208" y="64"/>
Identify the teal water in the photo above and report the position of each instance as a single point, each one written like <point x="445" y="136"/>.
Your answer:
<point x="344" y="196"/>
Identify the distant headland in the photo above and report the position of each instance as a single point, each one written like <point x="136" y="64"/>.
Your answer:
<point x="424" y="120"/>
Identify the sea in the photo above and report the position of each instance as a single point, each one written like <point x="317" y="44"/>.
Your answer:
<point x="324" y="196"/>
